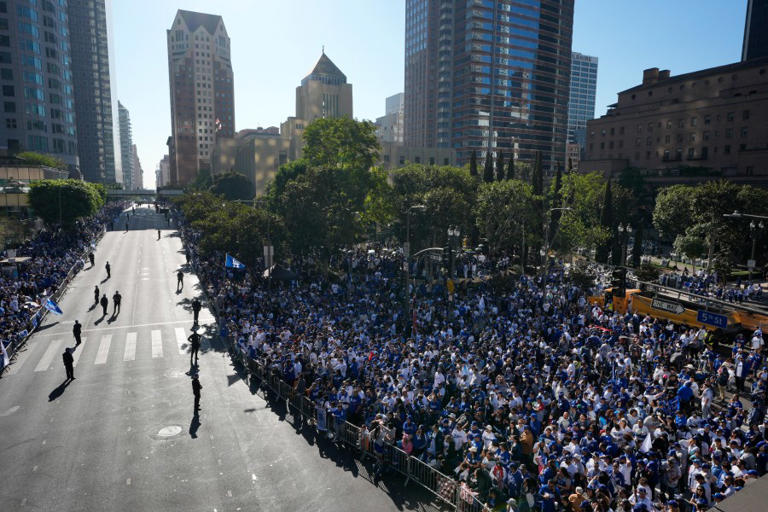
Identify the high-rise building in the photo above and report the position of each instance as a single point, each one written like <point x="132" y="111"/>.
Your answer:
<point x="389" y="127"/>
<point x="126" y="145"/>
<point x="91" y="77"/>
<point x="137" y="179"/>
<point x="488" y="75"/>
<point x="163" y="172"/>
<point x="38" y="103"/>
<point x="755" y="30"/>
<point x="202" y="92"/>
<point x="581" y="101"/>
<point x="324" y="92"/>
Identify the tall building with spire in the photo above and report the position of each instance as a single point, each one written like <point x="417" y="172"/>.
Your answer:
<point x="202" y="92"/>
<point x="488" y="76"/>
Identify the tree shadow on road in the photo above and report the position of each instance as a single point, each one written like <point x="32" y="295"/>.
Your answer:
<point x="56" y="393"/>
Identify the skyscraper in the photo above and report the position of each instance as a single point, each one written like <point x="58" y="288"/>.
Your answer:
<point x="126" y="145"/>
<point x="488" y="75"/>
<point x="202" y="92"/>
<point x="389" y="127"/>
<point x="137" y="179"/>
<point x="755" y="30"/>
<point x="38" y="103"/>
<point x="581" y="101"/>
<point x="324" y="92"/>
<point x="89" y="37"/>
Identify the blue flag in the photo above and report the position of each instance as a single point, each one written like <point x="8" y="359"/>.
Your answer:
<point x="51" y="306"/>
<point x="231" y="262"/>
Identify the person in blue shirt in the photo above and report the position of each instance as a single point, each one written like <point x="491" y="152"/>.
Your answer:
<point x="685" y="397"/>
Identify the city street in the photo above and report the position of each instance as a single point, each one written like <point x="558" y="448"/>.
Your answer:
<point x="123" y="436"/>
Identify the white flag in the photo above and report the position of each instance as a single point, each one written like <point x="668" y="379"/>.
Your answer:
<point x="6" y="359"/>
<point x="647" y="444"/>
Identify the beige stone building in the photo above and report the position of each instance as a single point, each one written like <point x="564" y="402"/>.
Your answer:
<point x="258" y="154"/>
<point x="710" y="123"/>
<point x="394" y="155"/>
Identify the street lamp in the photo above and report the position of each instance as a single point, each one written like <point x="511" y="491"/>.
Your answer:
<point x="624" y="241"/>
<point x="453" y="232"/>
<point x="752" y="231"/>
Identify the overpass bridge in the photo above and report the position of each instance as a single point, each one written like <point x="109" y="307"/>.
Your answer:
<point x="144" y="193"/>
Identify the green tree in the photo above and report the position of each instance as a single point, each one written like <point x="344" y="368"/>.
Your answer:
<point x="341" y="143"/>
<point x="62" y="202"/>
<point x="511" y="167"/>
<point x="673" y="212"/>
<point x="500" y="166"/>
<point x="607" y="222"/>
<point x="504" y="211"/>
<point x="488" y="169"/>
<point x="233" y="186"/>
<point x="31" y="157"/>
<point x="202" y="181"/>
<point x="581" y="227"/>
<point x="473" y="163"/>
<point x="555" y="202"/>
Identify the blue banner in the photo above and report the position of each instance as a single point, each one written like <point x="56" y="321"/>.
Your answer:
<point x="51" y="306"/>
<point x="231" y="262"/>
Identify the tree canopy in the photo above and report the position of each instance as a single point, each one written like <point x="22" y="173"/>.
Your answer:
<point x="64" y="201"/>
<point x="233" y="186"/>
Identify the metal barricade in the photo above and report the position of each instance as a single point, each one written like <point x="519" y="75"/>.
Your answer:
<point x="431" y="479"/>
<point x="351" y="435"/>
<point x="399" y="460"/>
<point x="466" y="500"/>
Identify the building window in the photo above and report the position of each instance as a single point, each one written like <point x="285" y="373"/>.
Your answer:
<point x="648" y="141"/>
<point x="729" y="116"/>
<point x="692" y="137"/>
<point x="750" y="171"/>
<point x="667" y="139"/>
<point x="666" y="155"/>
<point x="744" y="132"/>
<point x="637" y="141"/>
<point x="621" y="130"/>
<point x="602" y="132"/>
<point x="9" y="91"/>
<point x="669" y="125"/>
<point x="602" y="145"/>
<point x="707" y="120"/>
<point x="650" y="127"/>
<point x="691" y="153"/>
<point x="728" y="133"/>
<point x="727" y="149"/>
<point x="639" y="128"/>
<point x="10" y="123"/>
<point x="613" y="131"/>
<point x="742" y="147"/>
<point x="681" y="123"/>
<point x="704" y="152"/>
<point x="647" y="155"/>
<point x="621" y="144"/>
<point x="9" y="107"/>
<point x="694" y="119"/>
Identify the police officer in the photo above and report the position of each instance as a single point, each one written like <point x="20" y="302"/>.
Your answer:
<point x="196" y="387"/>
<point x="96" y="295"/>
<point x="109" y="270"/>
<point x="179" y="280"/>
<point x="116" y="298"/>
<point x="69" y="363"/>
<point x="104" y="303"/>
<point x="194" y="340"/>
<point x="196" y="306"/>
<point x="76" y="330"/>
<point x="92" y="258"/>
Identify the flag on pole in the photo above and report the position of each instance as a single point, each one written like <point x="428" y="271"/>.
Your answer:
<point x="6" y="359"/>
<point x="231" y="262"/>
<point x="51" y="306"/>
<point x="647" y="444"/>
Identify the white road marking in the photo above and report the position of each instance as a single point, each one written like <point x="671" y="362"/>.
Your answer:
<point x="181" y="340"/>
<point x="127" y="481"/>
<point x="34" y="469"/>
<point x="101" y="355"/>
<point x="79" y="351"/>
<point x="130" y="347"/>
<point x="47" y="359"/>
<point x="203" y="321"/>
<point x="157" y="344"/>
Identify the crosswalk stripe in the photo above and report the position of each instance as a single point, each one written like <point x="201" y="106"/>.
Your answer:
<point x="101" y="355"/>
<point x="79" y="351"/>
<point x="157" y="344"/>
<point x="130" y="347"/>
<point x="181" y="340"/>
<point x="47" y="359"/>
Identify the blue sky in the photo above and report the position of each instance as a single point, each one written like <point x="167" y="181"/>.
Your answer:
<point x="275" y="43"/>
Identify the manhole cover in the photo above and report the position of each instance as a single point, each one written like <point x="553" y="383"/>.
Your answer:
<point x="169" y="431"/>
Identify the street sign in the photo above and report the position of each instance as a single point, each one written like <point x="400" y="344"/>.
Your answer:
<point x="713" y="319"/>
<point x="670" y="307"/>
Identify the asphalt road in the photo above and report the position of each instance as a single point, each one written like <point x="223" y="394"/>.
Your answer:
<point x="123" y="436"/>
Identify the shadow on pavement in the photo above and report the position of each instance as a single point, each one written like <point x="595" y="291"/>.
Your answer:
<point x="46" y="326"/>
<point x="56" y="393"/>
<point x="194" y="425"/>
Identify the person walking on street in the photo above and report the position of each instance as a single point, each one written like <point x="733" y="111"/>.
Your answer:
<point x="179" y="280"/>
<point x="96" y="295"/>
<point x="109" y="270"/>
<point x="196" y="306"/>
<point x="196" y="387"/>
<point x="92" y="258"/>
<point x="76" y="330"/>
<point x="158" y="234"/>
<point x="126" y="225"/>
<point x="186" y="253"/>
<point x="194" y="340"/>
<point x="69" y="363"/>
<point x="116" y="298"/>
<point x="104" y="303"/>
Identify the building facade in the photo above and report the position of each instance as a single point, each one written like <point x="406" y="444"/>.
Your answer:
<point x="581" y="100"/>
<point x="488" y="75"/>
<point x="389" y="127"/>
<point x="89" y="37"/>
<point x="126" y="146"/>
<point x="202" y="92"/>
<point x="163" y="172"/>
<point x="714" y="120"/>
<point x="137" y="176"/>
<point x="38" y="111"/>
<point x="755" y="30"/>
<point x="257" y="154"/>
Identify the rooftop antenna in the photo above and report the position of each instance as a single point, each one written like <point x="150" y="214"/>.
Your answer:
<point x="323" y="49"/>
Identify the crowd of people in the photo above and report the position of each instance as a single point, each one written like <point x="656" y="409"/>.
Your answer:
<point x="534" y="397"/>
<point x="701" y="282"/>
<point x="26" y="284"/>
